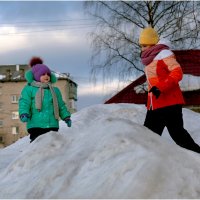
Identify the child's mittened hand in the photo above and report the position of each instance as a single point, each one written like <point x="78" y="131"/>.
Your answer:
<point x="68" y="121"/>
<point x="155" y="91"/>
<point x="24" y="117"/>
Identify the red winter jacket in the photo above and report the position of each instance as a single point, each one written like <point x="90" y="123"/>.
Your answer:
<point x="164" y="72"/>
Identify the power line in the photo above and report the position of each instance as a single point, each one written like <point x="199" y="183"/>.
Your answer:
<point x="35" y="25"/>
<point x="47" y="21"/>
<point x="47" y="30"/>
<point x="56" y="27"/>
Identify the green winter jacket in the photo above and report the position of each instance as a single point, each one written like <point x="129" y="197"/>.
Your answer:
<point x="45" y="117"/>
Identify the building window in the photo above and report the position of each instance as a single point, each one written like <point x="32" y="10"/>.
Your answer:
<point x="1" y="123"/>
<point x="1" y="139"/>
<point x="8" y="74"/>
<point x="21" y="73"/>
<point x="72" y="91"/>
<point x="14" y="98"/>
<point x="15" y="130"/>
<point x="15" y="115"/>
<point x="72" y="104"/>
<point x="1" y="105"/>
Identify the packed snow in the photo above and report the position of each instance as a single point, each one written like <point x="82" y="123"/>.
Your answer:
<point x="2" y="76"/>
<point x="107" y="153"/>
<point x="190" y="82"/>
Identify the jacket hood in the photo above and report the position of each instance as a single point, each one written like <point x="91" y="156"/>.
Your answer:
<point x="165" y="42"/>
<point x="29" y="77"/>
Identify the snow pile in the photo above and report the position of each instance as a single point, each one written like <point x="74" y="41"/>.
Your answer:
<point x="106" y="154"/>
<point x="2" y="76"/>
<point x="190" y="82"/>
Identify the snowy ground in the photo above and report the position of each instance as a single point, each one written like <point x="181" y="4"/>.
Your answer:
<point x="106" y="154"/>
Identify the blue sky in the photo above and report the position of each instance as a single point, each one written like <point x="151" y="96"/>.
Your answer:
<point x="57" y="31"/>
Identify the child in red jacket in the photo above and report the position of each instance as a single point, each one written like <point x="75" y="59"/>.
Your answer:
<point x="165" y="99"/>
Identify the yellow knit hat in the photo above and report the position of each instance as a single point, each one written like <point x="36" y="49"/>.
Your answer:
<point x="148" y="36"/>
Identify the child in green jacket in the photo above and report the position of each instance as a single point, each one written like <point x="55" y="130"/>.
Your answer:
<point x="41" y="104"/>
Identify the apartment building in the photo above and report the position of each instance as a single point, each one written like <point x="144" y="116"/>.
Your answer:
<point x="11" y="83"/>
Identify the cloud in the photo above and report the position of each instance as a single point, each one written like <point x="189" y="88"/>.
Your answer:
<point x="62" y="50"/>
<point x="54" y="30"/>
<point x="89" y="94"/>
<point x="11" y="43"/>
<point x="101" y="89"/>
<point x="88" y="100"/>
<point x="57" y="32"/>
<point x="29" y="11"/>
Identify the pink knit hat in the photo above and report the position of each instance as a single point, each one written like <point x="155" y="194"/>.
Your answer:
<point x="39" y="70"/>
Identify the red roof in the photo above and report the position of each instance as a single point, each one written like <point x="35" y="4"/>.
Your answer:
<point x="190" y="63"/>
<point x="128" y="94"/>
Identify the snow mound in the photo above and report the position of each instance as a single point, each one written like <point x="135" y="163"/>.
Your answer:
<point x="106" y="154"/>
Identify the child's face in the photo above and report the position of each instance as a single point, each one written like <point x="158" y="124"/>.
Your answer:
<point x="145" y="47"/>
<point x="45" y="78"/>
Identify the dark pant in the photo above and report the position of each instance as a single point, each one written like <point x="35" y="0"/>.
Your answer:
<point x="172" y="118"/>
<point x="35" y="132"/>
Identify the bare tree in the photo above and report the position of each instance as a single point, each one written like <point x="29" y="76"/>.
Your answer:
<point x="114" y="41"/>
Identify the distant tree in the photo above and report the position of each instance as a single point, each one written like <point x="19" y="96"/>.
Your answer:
<point x="114" y="41"/>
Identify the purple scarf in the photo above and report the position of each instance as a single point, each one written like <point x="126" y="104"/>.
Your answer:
<point x="148" y="55"/>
